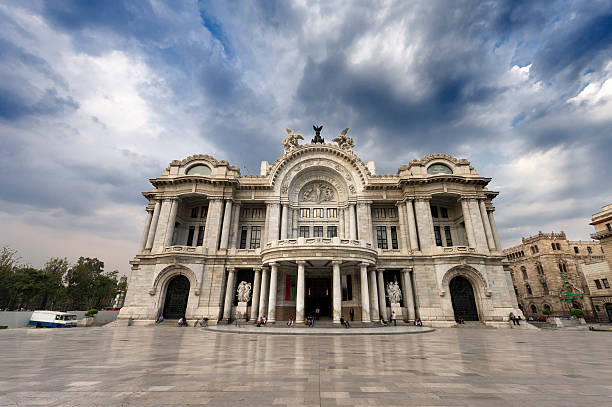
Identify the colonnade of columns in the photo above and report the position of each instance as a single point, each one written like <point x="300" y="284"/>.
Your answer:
<point x="372" y="292"/>
<point x="354" y="221"/>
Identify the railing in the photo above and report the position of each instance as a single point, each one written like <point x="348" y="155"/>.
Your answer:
<point x="318" y="241"/>
<point x="456" y="249"/>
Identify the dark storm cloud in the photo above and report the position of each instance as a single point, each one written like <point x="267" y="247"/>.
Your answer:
<point x="14" y="106"/>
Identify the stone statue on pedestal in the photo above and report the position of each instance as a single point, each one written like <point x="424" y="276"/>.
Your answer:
<point x="244" y="291"/>
<point x="394" y="292"/>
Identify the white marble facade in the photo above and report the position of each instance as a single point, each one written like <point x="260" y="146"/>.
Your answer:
<point x="318" y="228"/>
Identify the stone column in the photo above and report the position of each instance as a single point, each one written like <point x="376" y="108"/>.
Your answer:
<point x="213" y="223"/>
<point x="336" y="292"/>
<point x="374" y="312"/>
<point x="301" y="287"/>
<point x="408" y="296"/>
<point x="365" y="295"/>
<point x="272" y="295"/>
<point x="347" y="222"/>
<point x="467" y="220"/>
<point x="283" y="231"/>
<point x="256" y="294"/>
<point x="352" y="225"/>
<point x="162" y="225"/>
<point x="412" y="230"/>
<point x="296" y="217"/>
<point x="478" y="226"/>
<point x="145" y="232"/>
<point x="382" y="304"/>
<point x="235" y="231"/>
<point x="487" y="226"/>
<point x="273" y="221"/>
<point x="229" y="294"/>
<point x="364" y="226"/>
<point x="263" y="295"/>
<point x="225" y="230"/>
<point x="494" y="229"/>
<point x="171" y="222"/>
<point x="403" y="232"/>
<point x="153" y="228"/>
<point x="424" y="223"/>
<point x="341" y="223"/>
<point x="266" y="225"/>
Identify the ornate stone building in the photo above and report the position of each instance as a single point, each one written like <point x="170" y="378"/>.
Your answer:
<point x="598" y="276"/>
<point x="318" y="228"/>
<point x="545" y="268"/>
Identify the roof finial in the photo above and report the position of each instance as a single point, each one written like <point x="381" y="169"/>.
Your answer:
<point x="317" y="138"/>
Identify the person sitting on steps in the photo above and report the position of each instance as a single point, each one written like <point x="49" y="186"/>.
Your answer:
<point x="382" y="322"/>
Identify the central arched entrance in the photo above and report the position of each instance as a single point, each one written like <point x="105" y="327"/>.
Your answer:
<point x="176" y="297"/>
<point x="462" y="297"/>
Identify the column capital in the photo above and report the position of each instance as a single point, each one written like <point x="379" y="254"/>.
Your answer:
<point x="301" y="262"/>
<point x="215" y="198"/>
<point x="422" y="198"/>
<point x="272" y="264"/>
<point x="336" y="262"/>
<point x="380" y="269"/>
<point x="265" y="267"/>
<point x="231" y="269"/>
<point x="407" y="269"/>
<point x="365" y="264"/>
<point x="256" y="269"/>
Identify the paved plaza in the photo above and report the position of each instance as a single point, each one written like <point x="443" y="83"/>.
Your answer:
<point x="146" y="366"/>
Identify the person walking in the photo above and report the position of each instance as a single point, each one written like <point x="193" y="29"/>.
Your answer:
<point x="394" y="318"/>
<point x="352" y="314"/>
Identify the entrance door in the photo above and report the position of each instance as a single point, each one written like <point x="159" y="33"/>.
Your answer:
<point x="318" y="294"/>
<point x="462" y="297"/>
<point x="609" y="311"/>
<point x="176" y="298"/>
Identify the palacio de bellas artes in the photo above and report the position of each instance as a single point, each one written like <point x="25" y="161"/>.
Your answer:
<point x="320" y="231"/>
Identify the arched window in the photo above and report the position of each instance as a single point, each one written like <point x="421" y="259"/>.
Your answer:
<point x="199" y="169"/>
<point x="534" y="310"/>
<point x="528" y="287"/>
<point x="589" y="249"/>
<point x="439" y="169"/>
<point x="524" y="271"/>
<point x="546" y="307"/>
<point x="545" y="288"/>
<point x="553" y="246"/>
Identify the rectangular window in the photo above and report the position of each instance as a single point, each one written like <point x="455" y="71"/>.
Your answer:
<point x="558" y="246"/>
<point x="317" y="213"/>
<point x="332" y="231"/>
<point x="304" y="231"/>
<point x="200" y="236"/>
<point x="379" y="212"/>
<point x="434" y="211"/>
<point x="605" y="282"/>
<point x="243" y="237"/>
<point x="553" y="246"/>
<point x="589" y="249"/>
<point x="305" y="213"/>
<point x="317" y="231"/>
<point x="194" y="212"/>
<point x="255" y="237"/>
<point x="609" y="226"/>
<point x="447" y="234"/>
<point x="392" y="212"/>
<point x="332" y="213"/>
<point x="381" y="237"/>
<point x="598" y="284"/>
<point x="537" y="250"/>
<point x="438" y="235"/>
<point x="576" y="250"/>
<point x="204" y="212"/>
<point x="394" y="238"/>
<point x="347" y="287"/>
<point x="443" y="212"/>
<point x="190" y="235"/>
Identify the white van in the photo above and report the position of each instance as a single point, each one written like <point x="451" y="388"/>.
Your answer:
<point x="52" y="319"/>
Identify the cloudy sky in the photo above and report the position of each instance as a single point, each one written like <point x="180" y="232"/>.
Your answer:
<point x="97" y="97"/>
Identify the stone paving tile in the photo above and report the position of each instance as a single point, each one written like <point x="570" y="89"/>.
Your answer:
<point x="154" y="366"/>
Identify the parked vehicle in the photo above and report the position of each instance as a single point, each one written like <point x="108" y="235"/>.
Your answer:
<point x="52" y="319"/>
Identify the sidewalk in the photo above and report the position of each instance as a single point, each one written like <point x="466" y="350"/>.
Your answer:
<point x="283" y="329"/>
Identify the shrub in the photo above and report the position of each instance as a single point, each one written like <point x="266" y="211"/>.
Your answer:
<point x="576" y="312"/>
<point x="91" y="312"/>
<point x="546" y="311"/>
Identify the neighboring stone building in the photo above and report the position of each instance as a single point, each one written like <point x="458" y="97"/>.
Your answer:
<point x="545" y="268"/>
<point x="318" y="228"/>
<point x="598" y="276"/>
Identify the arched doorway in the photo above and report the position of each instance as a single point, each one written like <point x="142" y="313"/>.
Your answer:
<point x="176" y="297"/>
<point x="462" y="297"/>
<point x="609" y="311"/>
